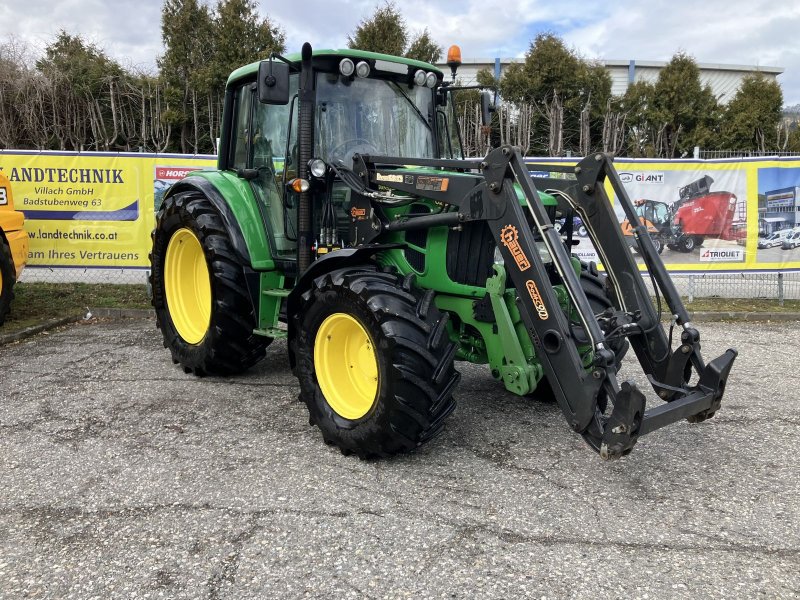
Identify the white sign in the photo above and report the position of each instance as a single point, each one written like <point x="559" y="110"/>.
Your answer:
<point x="645" y="177"/>
<point x="585" y="255"/>
<point x="721" y="254"/>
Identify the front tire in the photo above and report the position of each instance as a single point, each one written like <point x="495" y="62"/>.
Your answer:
<point x="7" y="280"/>
<point x="200" y="295"/>
<point x="374" y="362"/>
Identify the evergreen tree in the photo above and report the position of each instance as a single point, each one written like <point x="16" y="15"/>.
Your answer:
<point x="637" y="105"/>
<point x="187" y="32"/>
<point x="568" y="92"/>
<point x="384" y="32"/>
<point x="241" y="37"/>
<point x="82" y="94"/>
<point x="753" y="115"/>
<point x="684" y="112"/>
<point x="423" y="48"/>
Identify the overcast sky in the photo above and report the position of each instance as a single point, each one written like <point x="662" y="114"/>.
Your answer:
<point x="751" y="32"/>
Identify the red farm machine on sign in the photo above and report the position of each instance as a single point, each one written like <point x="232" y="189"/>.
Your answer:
<point x="698" y="214"/>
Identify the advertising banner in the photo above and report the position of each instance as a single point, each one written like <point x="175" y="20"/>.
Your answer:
<point x="97" y="209"/>
<point x="91" y="209"/>
<point x="727" y="215"/>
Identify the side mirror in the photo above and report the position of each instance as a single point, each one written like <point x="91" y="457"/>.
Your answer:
<point x="273" y="82"/>
<point x="486" y="109"/>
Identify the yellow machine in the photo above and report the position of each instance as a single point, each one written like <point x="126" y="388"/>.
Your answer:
<point x="13" y="246"/>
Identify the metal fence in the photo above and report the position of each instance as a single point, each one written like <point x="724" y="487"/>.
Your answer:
<point x="756" y="286"/>
<point x="718" y="154"/>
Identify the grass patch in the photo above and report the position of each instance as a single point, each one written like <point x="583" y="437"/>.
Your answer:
<point x="36" y="303"/>
<point x="741" y="305"/>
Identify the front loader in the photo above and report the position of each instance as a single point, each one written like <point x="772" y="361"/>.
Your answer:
<point x="344" y="217"/>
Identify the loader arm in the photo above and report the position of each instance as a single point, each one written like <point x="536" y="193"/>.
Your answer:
<point x="581" y="392"/>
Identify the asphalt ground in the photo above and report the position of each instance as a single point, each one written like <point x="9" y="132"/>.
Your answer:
<point x="122" y="477"/>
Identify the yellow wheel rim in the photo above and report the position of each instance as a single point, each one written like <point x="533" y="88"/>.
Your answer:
<point x="346" y="366"/>
<point x="187" y="285"/>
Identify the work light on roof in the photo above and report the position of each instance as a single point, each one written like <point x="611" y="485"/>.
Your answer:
<point x="362" y="69"/>
<point x="430" y="80"/>
<point x="346" y="67"/>
<point x="419" y="77"/>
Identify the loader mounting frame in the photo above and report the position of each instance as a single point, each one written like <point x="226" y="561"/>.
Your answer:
<point x="580" y="392"/>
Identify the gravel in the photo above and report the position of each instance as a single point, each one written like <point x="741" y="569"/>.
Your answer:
<point x="123" y="477"/>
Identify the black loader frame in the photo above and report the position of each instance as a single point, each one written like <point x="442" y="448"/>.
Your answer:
<point x="580" y="391"/>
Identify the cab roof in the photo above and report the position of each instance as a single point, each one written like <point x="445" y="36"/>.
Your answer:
<point x="248" y="71"/>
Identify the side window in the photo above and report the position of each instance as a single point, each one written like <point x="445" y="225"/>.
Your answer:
<point x="445" y="140"/>
<point x="447" y="129"/>
<point x="259" y="139"/>
<point x="271" y="131"/>
<point x="241" y="142"/>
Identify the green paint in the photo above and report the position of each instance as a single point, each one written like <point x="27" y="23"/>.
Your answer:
<point x="239" y="196"/>
<point x="272" y="293"/>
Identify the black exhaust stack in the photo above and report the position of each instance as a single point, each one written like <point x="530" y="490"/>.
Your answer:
<point x="305" y="147"/>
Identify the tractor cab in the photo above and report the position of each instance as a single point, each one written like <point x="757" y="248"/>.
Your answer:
<point x="358" y="103"/>
<point x="653" y="213"/>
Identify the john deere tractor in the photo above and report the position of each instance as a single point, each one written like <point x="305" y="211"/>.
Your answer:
<point x="344" y="217"/>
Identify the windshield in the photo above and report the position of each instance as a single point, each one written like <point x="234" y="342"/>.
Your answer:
<point x="371" y="116"/>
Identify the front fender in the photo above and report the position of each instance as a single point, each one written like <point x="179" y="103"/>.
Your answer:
<point x="329" y="262"/>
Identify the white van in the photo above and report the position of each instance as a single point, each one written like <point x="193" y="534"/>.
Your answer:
<point x="776" y="238"/>
<point x="792" y="241"/>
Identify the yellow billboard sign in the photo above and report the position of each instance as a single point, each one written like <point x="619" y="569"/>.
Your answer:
<point x="91" y="209"/>
<point x="709" y="215"/>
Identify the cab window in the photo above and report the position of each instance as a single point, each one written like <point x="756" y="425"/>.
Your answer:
<point x="263" y="140"/>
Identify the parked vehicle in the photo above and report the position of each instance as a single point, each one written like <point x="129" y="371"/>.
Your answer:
<point x="382" y="256"/>
<point x="776" y="238"/>
<point x="792" y="241"/>
<point x="13" y="246"/>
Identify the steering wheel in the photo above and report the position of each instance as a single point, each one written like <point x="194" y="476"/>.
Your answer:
<point x="340" y="150"/>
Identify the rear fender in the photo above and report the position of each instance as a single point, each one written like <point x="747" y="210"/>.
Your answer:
<point x="235" y="203"/>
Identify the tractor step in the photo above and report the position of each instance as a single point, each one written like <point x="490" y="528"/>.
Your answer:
<point x="272" y="332"/>
<point x="277" y="292"/>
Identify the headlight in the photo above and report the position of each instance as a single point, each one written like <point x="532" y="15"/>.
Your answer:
<point x="317" y="167"/>
<point x="544" y="253"/>
<point x="430" y="80"/>
<point x="346" y="67"/>
<point x="419" y="77"/>
<point x="498" y="257"/>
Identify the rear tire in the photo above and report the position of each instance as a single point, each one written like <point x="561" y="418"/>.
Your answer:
<point x="390" y="388"/>
<point x="7" y="280"/>
<point x="209" y="326"/>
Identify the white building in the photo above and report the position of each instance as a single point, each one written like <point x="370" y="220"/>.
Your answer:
<point x="723" y="79"/>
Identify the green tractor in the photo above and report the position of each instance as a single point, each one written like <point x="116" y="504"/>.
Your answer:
<point x="344" y="217"/>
